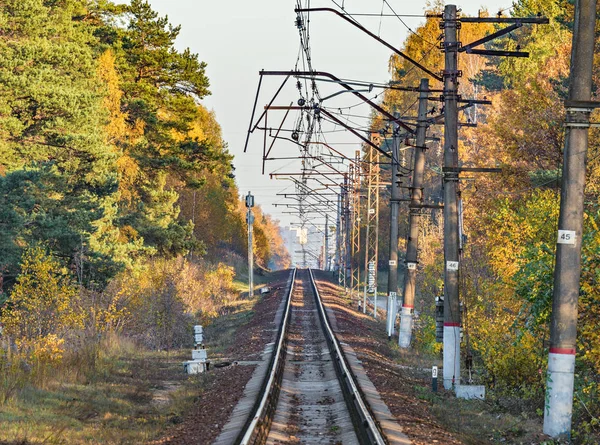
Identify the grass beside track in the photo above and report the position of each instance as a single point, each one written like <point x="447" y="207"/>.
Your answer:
<point x="131" y="397"/>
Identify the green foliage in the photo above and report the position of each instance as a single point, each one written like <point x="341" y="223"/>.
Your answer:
<point x="59" y="171"/>
<point x="545" y="43"/>
<point x="43" y="301"/>
<point x="110" y="172"/>
<point x="425" y="335"/>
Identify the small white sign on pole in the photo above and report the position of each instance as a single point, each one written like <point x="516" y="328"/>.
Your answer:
<point x="411" y="266"/>
<point x="566" y="237"/>
<point x="452" y="265"/>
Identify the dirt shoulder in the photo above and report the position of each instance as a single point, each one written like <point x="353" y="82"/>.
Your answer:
<point x="240" y="337"/>
<point x="403" y="379"/>
<point x="399" y="388"/>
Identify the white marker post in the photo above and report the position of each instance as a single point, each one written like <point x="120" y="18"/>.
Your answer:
<point x="391" y="313"/>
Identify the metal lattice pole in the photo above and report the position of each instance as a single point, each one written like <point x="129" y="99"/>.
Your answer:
<point x="372" y="232"/>
<point x="356" y="228"/>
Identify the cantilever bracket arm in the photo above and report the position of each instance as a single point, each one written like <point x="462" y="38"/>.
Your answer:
<point x="388" y="115"/>
<point x="250" y="127"/>
<point x="356" y="133"/>
<point x="489" y="37"/>
<point x="379" y="39"/>
<point x="337" y="121"/>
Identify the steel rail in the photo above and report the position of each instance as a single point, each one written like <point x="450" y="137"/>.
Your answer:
<point x="257" y="428"/>
<point x="347" y="381"/>
<point x="260" y="422"/>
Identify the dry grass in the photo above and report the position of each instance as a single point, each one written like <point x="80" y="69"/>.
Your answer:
<point x="128" y="396"/>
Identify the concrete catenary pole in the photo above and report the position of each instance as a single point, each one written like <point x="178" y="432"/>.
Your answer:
<point x="392" y="284"/>
<point x="338" y="237"/>
<point x="451" y="248"/>
<point x="563" y="327"/>
<point x="416" y="203"/>
<point x="326" y="247"/>
<point x="250" y="221"/>
<point x="347" y="237"/>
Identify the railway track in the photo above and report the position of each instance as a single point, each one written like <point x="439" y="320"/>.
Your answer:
<point x="309" y="395"/>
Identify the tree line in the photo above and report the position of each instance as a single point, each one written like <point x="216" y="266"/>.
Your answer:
<point x="119" y="210"/>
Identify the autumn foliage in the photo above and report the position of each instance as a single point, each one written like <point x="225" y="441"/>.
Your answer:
<point x="510" y="219"/>
<point x="119" y="211"/>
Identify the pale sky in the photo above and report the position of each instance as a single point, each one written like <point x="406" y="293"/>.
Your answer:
<point x="238" y="38"/>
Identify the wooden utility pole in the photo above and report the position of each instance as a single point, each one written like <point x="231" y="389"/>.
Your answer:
<point x="567" y="273"/>
<point x="416" y="208"/>
<point x="451" y="248"/>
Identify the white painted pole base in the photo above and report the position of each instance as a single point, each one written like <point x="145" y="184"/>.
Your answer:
<point x="390" y="316"/>
<point x="559" y="394"/>
<point x="394" y="314"/>
<point x="406" y="324"/>
<point x="375" y="304"/>
<point x="451" y="355"/>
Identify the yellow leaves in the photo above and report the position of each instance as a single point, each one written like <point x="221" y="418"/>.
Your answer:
<point x="48" y="349"/>
<point x="515" y="224"/>
<point x="109" y="319"/>
<point x="129" y="172"/>
<point x="43" y="301"/>
<point x="127" y="234"/>
<point x="117" y="126"/>
<point x="508" y="358"/>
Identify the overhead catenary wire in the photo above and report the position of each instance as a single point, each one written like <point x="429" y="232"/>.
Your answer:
<point x="404" y="23"/>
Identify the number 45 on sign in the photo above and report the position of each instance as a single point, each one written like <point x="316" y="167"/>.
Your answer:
<point x="566" y="237"/>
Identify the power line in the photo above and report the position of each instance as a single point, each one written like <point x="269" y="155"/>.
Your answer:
<point x="404" y="23"/>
